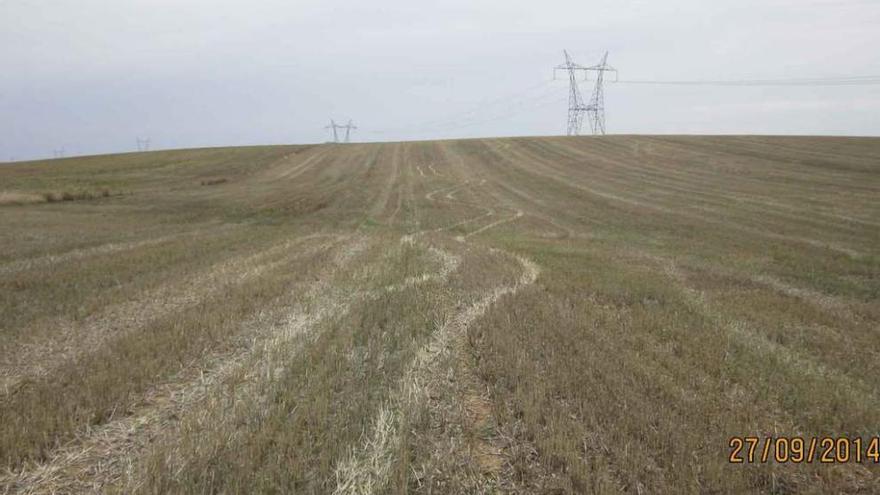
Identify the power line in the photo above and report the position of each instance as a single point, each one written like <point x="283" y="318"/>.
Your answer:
<point x="510" y="112"/>
<point x="464" y="118"/>
<point x="505" y="99"/>
<point x="819" y="81"/>
<point x="504" y="107"/>
<point x="500" y="113"/>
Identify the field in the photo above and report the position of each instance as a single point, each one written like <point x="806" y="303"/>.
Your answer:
<point x="523" y="315"/>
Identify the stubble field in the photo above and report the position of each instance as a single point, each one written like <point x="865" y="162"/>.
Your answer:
<point x="525" y="315"/>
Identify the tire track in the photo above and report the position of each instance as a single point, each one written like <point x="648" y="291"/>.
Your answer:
<point x="368" y="467"/>
<point x="640" y="203"/>
<point x="40" y="358"/>
<point x="385" y="192"/>
<point x="291" y="172"/>
<point x="108" y="248"/>
<point x="753" y="339"/>
<point x="269" y="361"/>
<point x="102" y="456"/>
<point x="519" y="214"/>
<point x="617" y="169"/>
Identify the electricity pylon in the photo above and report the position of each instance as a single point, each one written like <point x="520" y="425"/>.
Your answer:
<point x="596" y="108"/>
<point x="348" y="127"/>
<point x="576" y="107"/>
<point x="143" y="144"/>
<point x="333" y="126"/>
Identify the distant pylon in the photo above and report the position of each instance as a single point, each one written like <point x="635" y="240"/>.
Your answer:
<point x="348" y="128"/>
<point x="335" y="127"/>
<point x="143" y="144"/>
<point x="596" y="108"/>
<point x="576" y="107"/>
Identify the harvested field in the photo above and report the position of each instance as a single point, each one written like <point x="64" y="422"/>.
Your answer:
<point x="518" y="315"/>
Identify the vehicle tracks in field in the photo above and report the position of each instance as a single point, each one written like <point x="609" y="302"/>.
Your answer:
<point x="33" y="360"/>
<point x="50" y="260"/>
<point x="101" y="456"/>
<point x="368" y="467"/>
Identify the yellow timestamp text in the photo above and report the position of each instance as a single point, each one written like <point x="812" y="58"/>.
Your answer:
<point x="797" y="450"/>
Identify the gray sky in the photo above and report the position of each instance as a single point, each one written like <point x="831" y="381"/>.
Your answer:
<point x="91" y="75"/>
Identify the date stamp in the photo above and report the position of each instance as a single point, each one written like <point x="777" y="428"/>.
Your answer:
<point x="797" y="450"/>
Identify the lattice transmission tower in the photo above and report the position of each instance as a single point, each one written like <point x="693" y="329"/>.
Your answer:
<point x="333" y="126"/>
<point x="348" y="128"/>
<point x="576" y="107"/>
<point x="596" y="107"/>
<point x="336" y="127"/>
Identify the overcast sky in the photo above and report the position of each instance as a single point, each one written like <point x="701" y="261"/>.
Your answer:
<point x="92" y="75"/>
